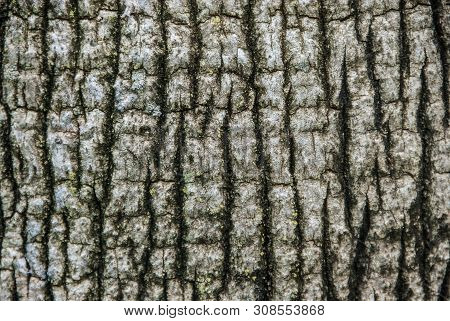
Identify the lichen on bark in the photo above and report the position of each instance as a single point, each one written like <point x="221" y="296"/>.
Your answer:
<point x="224" y="150"/>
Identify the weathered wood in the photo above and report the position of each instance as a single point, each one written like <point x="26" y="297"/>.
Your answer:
<point x="187" y="149"/>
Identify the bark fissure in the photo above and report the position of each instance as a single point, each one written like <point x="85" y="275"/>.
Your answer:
<point x="14" y="291"/>
<point x="421" y="211"/>
<point x="437" y="10"/>
<point x="64" y="250"/>
<point x="145" y="273"/>
<point x="443" y="289"/>
<point x="6" y="141"/>
<point x="344" y="149"/>
<point x="359" y="264"/>
<point x="48" y="71"/>
<point x="107" y="149"/>
<point x="324" y="55"/>
<point x="404" y="61"/>
<point x="290" y="140"/>
<point x="161" y="87"/>
<point x="402" y="290"/>
<point x="209" y="150"/>
<point x="179" y="198"/>
<point x="76" y="48"/>
<point x="356" y="12"/>
<point x="329" y="289"/>
<point x="374" y="81"/>
<point x="378" y="112"/>
<point x="2" y="228"/>
<point x="265" y="274"/>
<point x="76" y="42"/>
<point x="24" y="239"/>
<point x="194" y="53"/>
<point x="229" y="195"/>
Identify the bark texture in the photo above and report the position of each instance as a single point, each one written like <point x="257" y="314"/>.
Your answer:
<point x="229" y="150"/>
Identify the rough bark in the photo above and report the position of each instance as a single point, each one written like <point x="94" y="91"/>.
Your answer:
<point x="230" y="149"/>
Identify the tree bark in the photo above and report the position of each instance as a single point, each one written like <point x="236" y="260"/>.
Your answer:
<point x="224" y="150"/>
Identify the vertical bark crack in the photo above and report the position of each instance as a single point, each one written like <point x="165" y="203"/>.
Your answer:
<point x="344" y="153"/>
<point x="145" y="273"/>
<point x="324" y="55"/>
<point x="381" y="127"/>
<point x="179" y="198"/>
<point x="421" y="210"/>
<point x="402" y="290"/>
<point x="360" y="262"/>
<point x="229" y="195"/>
<point x="5" y="134"/>
<point x="287" y="86"/>
<point x="404" y="62"/>
<point x="441" y="39"/>
<point x="48" y="175"/>
<point x="355" y="9"/>
<point x="443" y="289"/>
<point x="161" y="86"/>
<point x="329" y="289"/>
<point x="195" y="53"/>
<point x="107" y="149"/>
<point x="266" y="270"/>
<point x="76" y="42"/>
<point x="64" y="246"/>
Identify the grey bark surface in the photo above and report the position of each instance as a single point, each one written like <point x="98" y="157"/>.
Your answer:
<point x="224" y="150"/>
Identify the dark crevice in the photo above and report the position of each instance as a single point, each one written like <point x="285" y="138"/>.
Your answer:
<point x="222" y="64"/>
<point x="376" y="173"/>
<point x="144" y="275"/>
<point x="266" y="270"/>
<point x="329" y="289"/>
<point x="207" y="116"/>
<point x="165" y="284"/>
<point x="324" y="56"/>
<point x="98" y="225"/>
<point x="5" y="134"/>
<point x="64" y="249"/>
<point x="108" y="127"/>
<point x="381" y="127"/>
<point x="195" y="53"/>
<point x="421" y="210"/>
<point x="24" y="239"/>
<point x="179" y="199"/>
<point x="356" y="12"/>
<point x="48" y="71"/>
<point x="119" y="296"/>
<point x="14" y="291"/>
<point x="76" y="42"/>
<point x="441" y="39"/>
<point x="287" y="85"/>
<point x="195" y="291"/>
<point x="359" y="266"/>
<point x="78" y="171"/>
<point x="161" y="86"/>
<point x="375" y="83"/>
<point x="387" y="141"/>
<point x="81" y="104"/>
<point x="2" y="228"/>
<point x="229" y="195"/>
<point x="107" y="149"/>
<point x="6" y="141"/>
<point x="404" y="62"/>
<point x="402" y="290"/>
<point x="443" y="289"/>
<point x="344" y="150"/>
<point x="76" y="48"/>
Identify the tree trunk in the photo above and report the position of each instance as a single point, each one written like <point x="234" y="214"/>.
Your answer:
<point x="229" y="150"/>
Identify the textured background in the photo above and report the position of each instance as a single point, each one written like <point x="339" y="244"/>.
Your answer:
<point x="200" y="149"/>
